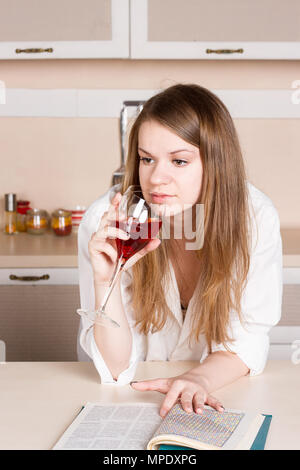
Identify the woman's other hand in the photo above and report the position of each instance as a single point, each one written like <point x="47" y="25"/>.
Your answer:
<point x="189" y="389"/>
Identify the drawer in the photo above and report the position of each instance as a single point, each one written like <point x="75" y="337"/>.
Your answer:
<point x="39" y="276"/>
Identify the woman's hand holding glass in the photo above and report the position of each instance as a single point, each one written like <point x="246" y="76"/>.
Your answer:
<point x="108" y="250"/>
<point x="102" y="246"/>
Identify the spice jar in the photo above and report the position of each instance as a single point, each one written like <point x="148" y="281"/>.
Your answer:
<point x="36" y="221"/>
<point x="10" y="215"/>
<point x="22" y="209"/>
<point x="62" y="222"/>
<point x="77" y="214"/>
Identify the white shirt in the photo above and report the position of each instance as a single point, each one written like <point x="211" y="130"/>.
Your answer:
<point x="261" y="300"/>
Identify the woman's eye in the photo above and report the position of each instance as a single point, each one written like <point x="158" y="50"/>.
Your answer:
<point x="180" y="162"/>
<point x="145" y="159"/>
<point x="148" y="161"/>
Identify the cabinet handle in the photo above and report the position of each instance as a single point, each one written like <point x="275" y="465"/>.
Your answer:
<point x="27" y="51"/>
<point x="12" y="277"/>
<point x="224" y="51"/>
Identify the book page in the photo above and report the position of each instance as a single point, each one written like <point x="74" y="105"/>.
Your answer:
<point x="211" y="429"/>
<point x="111" y="427"/>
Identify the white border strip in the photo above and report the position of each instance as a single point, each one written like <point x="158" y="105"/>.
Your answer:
<point x="107" y="103"/>
<point x="141" y="48"/>
<point x="118" y="47"/>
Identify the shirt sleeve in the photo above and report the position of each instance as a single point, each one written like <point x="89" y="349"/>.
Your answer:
<point x="262" y="296"/>
<point x="86" y="340"/>
<point x="87" y="227"/>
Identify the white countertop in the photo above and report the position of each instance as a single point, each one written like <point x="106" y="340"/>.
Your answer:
<point x="39" y="400"/>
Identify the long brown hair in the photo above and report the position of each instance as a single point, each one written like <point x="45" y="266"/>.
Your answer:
<point x="199" y="117"/>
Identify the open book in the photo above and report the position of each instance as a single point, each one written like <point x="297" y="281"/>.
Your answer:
<point x="138" y="426"/>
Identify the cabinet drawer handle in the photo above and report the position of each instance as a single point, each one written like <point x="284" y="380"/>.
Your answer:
<point x="33" y="50"/>
<point x="12" y="277"/>
<point x="224" y="51"/>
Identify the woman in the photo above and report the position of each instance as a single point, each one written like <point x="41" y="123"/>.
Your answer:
<point x="214" y="304"/>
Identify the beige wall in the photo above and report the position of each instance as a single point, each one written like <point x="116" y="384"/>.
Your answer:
<point x="57" y="162"/>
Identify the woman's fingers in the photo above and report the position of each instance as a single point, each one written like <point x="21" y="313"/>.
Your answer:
<point x="198" y="402"/>
<point x="171" y="398"/>
<point x="112" y="212"/>
<point x="214" y="403"/>
<point x="157" y="385"/>
<point x="190" y="399"/>
<point x="110" y="232"/>
<point x="116" y="199"/>
<point x="100" y="246"/>
<point x="186" y="400"/>
<point x="153" y="245"/>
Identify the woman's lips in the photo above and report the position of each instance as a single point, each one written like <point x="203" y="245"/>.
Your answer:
<point x="159" y="197"/>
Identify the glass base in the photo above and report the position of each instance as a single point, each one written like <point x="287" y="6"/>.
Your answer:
<point x="98" y="318"/>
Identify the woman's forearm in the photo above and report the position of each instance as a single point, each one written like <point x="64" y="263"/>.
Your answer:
<point x="114" y="344"/>
<point x="219" y="369"/>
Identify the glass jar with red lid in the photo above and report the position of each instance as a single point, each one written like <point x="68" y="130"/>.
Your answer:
<point x="22" y="209"/>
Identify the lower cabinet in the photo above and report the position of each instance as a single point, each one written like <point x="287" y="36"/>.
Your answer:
<point x="285" y="336"/>
<point x="38" y="319"/>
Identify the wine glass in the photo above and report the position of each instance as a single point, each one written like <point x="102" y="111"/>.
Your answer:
<point x="142" y="223"/>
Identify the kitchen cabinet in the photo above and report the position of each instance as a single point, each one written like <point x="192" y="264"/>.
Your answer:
<point x="64" y="29"/>
<point x="150" y="29"/>
<point x="38" y="319"/>
<point x="226" y="30"/>
<point x="287" y="331"/>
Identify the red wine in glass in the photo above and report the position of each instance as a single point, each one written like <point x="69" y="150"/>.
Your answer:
<point x="140" y="235"/>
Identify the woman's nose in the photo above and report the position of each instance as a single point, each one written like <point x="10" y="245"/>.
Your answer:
<point x="160" y="174"/>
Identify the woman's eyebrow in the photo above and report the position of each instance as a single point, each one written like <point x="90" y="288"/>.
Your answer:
<point x="145" y="151"/>
<point x="171" y="153"/>
<point x="181" y="150"/>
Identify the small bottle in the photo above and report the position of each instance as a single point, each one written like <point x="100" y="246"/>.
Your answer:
<point x="10" y="219"/>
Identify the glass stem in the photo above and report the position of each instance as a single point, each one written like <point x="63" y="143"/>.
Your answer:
<point x="118" y="267"/>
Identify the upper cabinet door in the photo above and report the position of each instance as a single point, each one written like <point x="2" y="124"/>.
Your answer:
<point x="215" y="29"/>
<point x="64" y="29"/>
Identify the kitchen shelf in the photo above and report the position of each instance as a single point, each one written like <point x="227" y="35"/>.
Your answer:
<point x="45" y="251"/>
